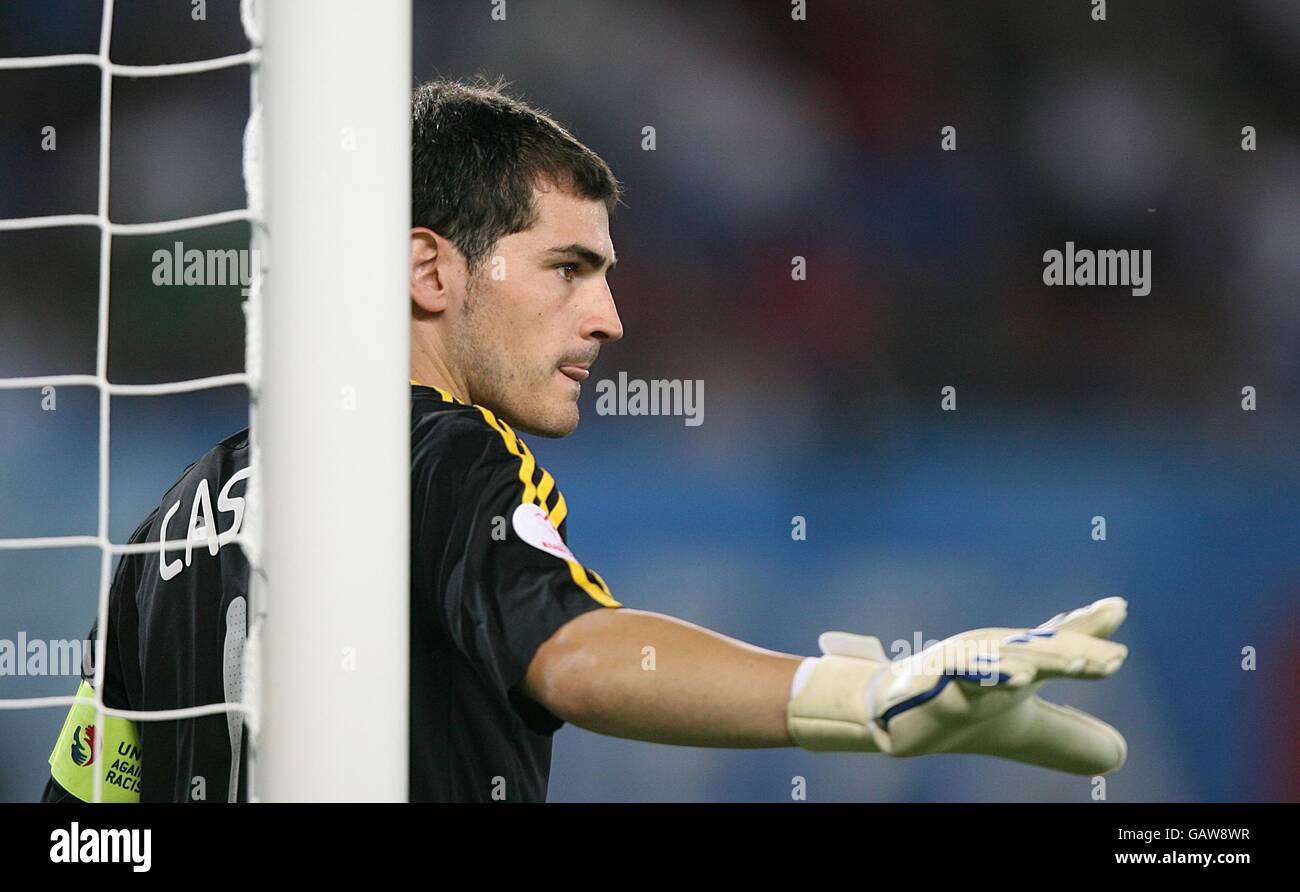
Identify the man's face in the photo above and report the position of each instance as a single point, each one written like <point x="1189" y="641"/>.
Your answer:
<point x="536" y="314"/>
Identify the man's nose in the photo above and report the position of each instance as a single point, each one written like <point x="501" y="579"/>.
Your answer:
<point x="604" y="324"/>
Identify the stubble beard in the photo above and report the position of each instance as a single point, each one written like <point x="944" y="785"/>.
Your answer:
<point x="495" y="379"/>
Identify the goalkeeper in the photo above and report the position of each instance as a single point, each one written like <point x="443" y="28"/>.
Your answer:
<point x="511" y="634"/>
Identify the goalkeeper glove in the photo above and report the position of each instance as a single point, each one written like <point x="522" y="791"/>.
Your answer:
<point x="973" y="693"/>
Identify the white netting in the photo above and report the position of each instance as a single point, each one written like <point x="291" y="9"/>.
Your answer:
<point x="247" y="538"/>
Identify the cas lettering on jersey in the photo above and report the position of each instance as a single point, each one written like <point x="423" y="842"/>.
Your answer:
<point x="202" y="528"/>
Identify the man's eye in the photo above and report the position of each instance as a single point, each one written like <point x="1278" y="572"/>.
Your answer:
<point x="568" y="271"/>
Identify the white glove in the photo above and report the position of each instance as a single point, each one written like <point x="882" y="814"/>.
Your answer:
<point x="973" y="693"/>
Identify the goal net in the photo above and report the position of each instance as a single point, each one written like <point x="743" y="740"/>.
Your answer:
<point x="321" y="678"/>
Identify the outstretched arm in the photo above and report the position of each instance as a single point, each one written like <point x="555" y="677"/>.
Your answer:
<point x="695" y="688"/>
<point x="975" y="692"/>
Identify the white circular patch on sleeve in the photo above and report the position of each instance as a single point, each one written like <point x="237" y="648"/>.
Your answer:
<point x="532" y="525"/>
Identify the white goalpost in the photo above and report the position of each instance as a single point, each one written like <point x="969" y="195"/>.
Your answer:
<point x="332" y="429"/>
<point x="324" y="691"/>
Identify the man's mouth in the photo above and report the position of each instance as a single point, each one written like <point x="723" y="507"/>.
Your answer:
<point x="578" y="373"/>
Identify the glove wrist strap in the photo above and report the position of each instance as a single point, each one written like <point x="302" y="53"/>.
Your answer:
<point x="829" y="712"/>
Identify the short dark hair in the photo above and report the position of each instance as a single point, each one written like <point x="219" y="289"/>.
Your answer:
<point x="476" y="155"/>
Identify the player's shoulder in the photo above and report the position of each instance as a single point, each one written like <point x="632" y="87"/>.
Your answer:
<point x="221" y="472"/>
<point x="458" y="437"/>
<point x="225" y="469"/>
<point x="226" y="460"/>
<point x="467" y="454"/>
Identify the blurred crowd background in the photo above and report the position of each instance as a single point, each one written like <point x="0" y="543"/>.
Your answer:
<point x="775" y="139"/>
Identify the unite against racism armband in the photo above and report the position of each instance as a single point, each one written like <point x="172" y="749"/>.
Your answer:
<point x="84" y="749"/>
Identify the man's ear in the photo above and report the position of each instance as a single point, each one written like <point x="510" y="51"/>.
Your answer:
<point x="430" y="267"/>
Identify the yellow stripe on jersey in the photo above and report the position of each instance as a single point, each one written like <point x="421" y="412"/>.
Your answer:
<point x="526" y="462"/>
<point x="601" y="582"/>
<point x="544" y="488"/>
<point x="598" y="593"/>
<point x="534" y="494"/>
<point x="446" y="397"/>
<point x="558" y="513"/>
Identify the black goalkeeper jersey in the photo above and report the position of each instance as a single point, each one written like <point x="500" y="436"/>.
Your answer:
<point x="491" y="579"/>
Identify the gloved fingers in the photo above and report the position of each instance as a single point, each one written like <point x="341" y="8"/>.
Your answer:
<point x="1014" y="658"/>
<point x="1050" y="735"/>
<point x="1062" y="654"/>
<point x="1099" y="619"/>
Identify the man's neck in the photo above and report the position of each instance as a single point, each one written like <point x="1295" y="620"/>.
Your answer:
<point x="428" y="368"/>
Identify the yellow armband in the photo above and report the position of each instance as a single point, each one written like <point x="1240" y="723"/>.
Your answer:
<point x="111" y="749"/>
